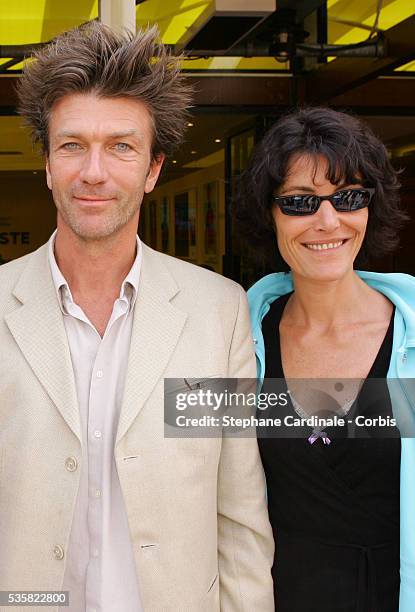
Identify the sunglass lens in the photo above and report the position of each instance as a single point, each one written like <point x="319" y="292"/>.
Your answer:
<point x="300" y="205"/>
<point x="354" y="199"/>
<point x="351" y="199"/>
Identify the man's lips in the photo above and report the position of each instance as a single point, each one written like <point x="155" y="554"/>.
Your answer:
<point x="93" y="199"/>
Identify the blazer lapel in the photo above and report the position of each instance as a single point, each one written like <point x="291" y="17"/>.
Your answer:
<point x="38" y="329"/>
<point x="156" y="329"/>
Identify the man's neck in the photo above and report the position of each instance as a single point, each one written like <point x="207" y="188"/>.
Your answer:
<point x="95" y="269"/>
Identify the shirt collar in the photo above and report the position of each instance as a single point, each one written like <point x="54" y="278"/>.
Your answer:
<point x="129" y="287"/>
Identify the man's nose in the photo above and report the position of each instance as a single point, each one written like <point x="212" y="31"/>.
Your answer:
<point x="326" y="218"/>
<point x="93" y="169"/>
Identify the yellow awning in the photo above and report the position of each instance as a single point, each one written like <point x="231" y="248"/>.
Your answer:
<point x="34" y="21"/>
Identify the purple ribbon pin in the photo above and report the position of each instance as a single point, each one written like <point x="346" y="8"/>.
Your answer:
<point x="319" y="434"/>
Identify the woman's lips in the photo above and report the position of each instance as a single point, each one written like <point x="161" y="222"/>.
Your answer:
<point x="328" y="245"/>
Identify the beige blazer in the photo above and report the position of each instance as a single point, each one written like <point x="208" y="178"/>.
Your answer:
<point x="196" y="507"/>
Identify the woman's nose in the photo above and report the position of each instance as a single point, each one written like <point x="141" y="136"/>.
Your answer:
<point x="326" y="218"/>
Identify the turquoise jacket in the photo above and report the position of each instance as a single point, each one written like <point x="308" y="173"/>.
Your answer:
<point x="400" y="289"/>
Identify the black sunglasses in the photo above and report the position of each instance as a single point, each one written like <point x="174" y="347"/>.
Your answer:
<point x="342" y="201"/>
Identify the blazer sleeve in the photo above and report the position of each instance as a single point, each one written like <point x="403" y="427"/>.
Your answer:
<point x="245" y="542"/>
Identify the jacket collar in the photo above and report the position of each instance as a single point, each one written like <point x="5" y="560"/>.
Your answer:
<point x="38" y="328"/>
<point x="157" y="327"/>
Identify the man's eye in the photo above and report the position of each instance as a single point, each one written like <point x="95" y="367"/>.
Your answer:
<point x="123" y="147"/>
<point x="71" y="146"/>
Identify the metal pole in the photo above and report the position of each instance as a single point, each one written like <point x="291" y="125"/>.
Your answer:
<point x="118" y="14"/>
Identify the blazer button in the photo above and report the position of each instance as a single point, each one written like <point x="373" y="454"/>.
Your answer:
<point x="58" y="552"/>
<point x="71" y="464"/>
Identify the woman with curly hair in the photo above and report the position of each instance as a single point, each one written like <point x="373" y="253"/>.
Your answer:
<point x="321" y="195"/>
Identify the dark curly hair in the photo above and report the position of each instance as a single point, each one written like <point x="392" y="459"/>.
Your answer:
<point x="352" y="151"/>
<point x="95" y="59"/>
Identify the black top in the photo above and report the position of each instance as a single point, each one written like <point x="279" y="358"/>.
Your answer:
<point x="334" y="508"/>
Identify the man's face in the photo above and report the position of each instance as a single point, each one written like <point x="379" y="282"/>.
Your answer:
<point x="99" y="164"/>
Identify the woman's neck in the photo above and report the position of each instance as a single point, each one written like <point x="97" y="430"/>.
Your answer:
<point x="327" y="305"/>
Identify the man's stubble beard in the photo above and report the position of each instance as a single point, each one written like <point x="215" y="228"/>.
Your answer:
<point x="119" y="212"/>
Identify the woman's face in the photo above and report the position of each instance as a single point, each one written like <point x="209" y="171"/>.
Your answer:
<point x="339" y="234"/>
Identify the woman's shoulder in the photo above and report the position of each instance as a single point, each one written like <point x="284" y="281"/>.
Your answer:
<point x="271" y="286"/>
<point x="397" y="286"/>
<point x="264" y="292"/>
<point x="267" y="290"/>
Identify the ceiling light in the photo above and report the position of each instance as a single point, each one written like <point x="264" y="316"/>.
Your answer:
<point x="218" y="140"/>
<point x="174" y="161"/>
<point x="193" y="152"/>
<point x="190" y="124"/>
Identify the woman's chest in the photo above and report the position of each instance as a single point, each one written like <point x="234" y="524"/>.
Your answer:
<point x="348" y="355"/>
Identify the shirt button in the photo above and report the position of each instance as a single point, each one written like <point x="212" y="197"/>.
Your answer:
<point x="97" y="492"/>
<point x="100" y="373"/>
<point x="58" y="552"/>
<point x="98" y="433"/>
<point x="95" y="552"/>
<point x="71" y="464"/>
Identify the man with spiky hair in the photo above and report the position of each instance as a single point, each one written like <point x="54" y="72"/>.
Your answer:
<point x="93" y="499"/>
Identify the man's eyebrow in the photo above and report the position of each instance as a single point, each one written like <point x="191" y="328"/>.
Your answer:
<point x="67" y="134"/>
<point x="124" y="133"/>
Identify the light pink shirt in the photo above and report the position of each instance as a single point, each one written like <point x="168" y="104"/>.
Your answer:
<point x="100" y="572"/>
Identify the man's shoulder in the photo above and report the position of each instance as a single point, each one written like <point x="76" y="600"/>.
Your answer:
<point x="12" y="270"/>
